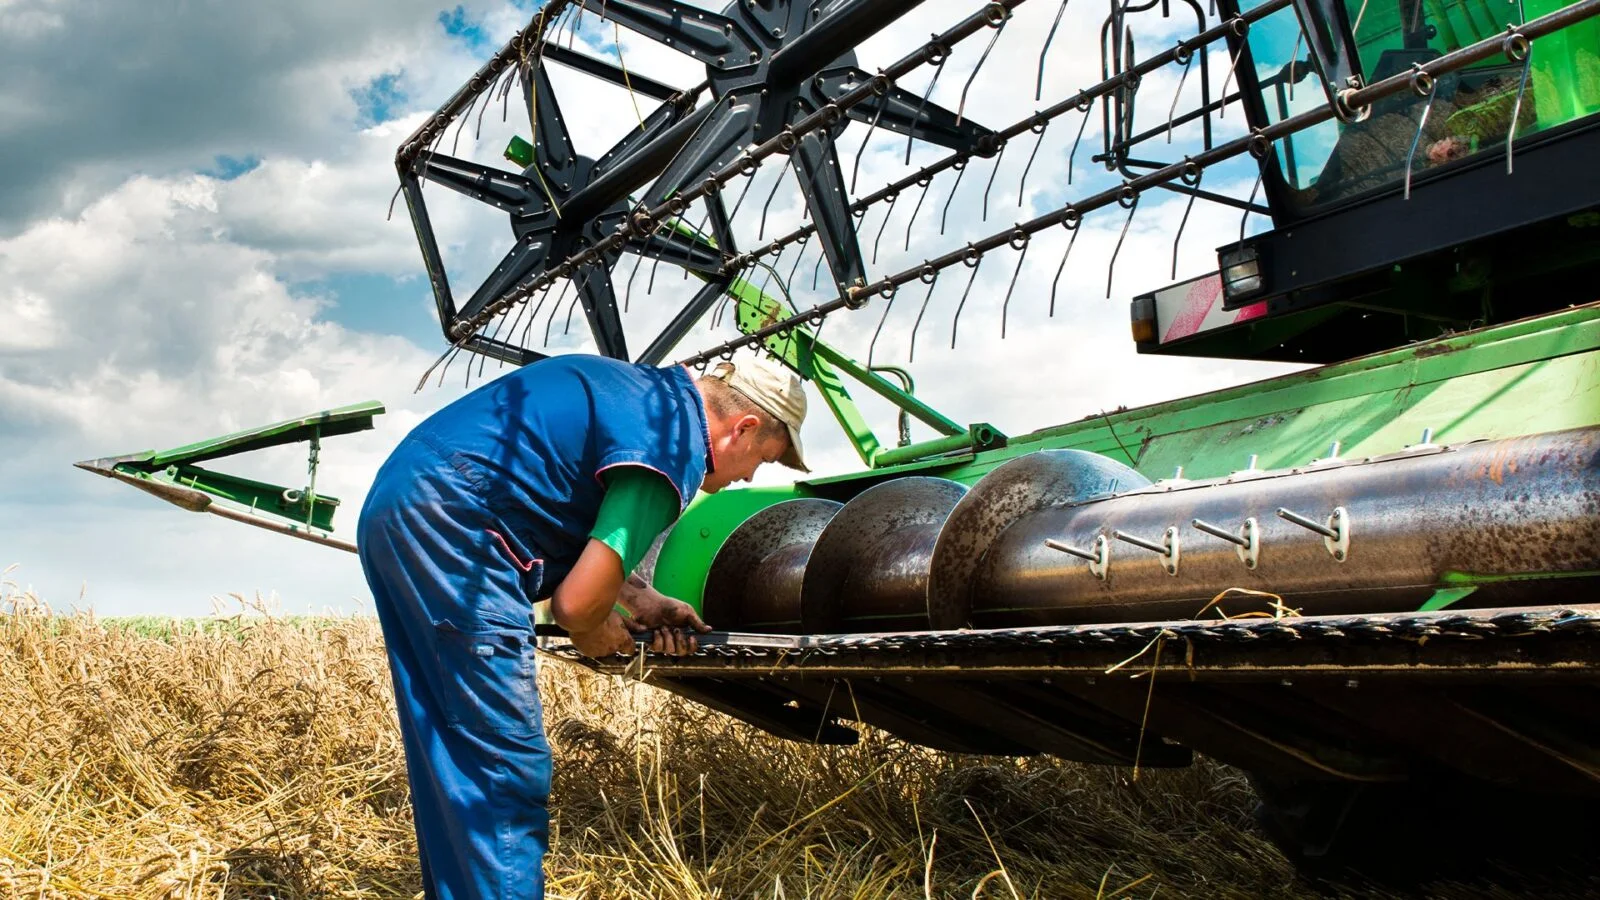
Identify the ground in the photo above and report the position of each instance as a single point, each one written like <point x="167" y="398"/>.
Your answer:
<point x="255" y="756"/>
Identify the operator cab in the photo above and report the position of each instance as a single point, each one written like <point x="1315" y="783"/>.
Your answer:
<point x="1353" y="264"/>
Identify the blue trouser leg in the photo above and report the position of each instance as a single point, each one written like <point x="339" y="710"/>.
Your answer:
<point x="455" y="621"/>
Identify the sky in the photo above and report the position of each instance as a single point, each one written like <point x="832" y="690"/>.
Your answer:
<point x="195" y="239"/>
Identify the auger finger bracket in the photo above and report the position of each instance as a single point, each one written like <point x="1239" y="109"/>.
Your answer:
<point x="1099" y="557"/>
<point x="1335" y="531"/>
<point x="1246" y="542"/>
<point x="1168" y="548"/>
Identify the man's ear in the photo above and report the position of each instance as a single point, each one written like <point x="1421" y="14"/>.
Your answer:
<point x="748" y="423"/>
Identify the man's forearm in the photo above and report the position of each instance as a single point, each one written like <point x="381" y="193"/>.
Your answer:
<point x="584" y="599"/>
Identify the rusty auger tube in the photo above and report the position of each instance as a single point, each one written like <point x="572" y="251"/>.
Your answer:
<point x="1503" y="523"/>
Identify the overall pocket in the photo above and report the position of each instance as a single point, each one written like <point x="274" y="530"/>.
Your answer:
<point x="490" y="679"/>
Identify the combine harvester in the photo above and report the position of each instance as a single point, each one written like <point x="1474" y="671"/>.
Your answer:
<point x="1365" y="583"/>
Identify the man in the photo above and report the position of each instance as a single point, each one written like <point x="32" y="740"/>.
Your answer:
<point x="550" y="482"/>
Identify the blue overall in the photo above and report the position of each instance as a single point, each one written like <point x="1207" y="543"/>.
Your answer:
<point x="481" y="510"/>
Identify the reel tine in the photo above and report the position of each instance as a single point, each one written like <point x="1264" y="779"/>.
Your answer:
<point x="423" y="381"/>
<point x="761" y="233"/>
<point x="924" y="183"/>
<point x="505" y="92"/>
<point x="817" y="269"/>
<point x="454" y="352"/>
<point x="1172" y="111"/>
<point x="960" y="166"/>
<point x="572" y="29"/>
<point x="933" y="280"/>
<point x="887" y="213"/>
<point x="1021" y="241"/>
<point x="976" y="263"/>
<point x="483" y="358"/>
<point x="1181" y="225"/>
<point x="1233" y="65"/>
<point x="855" y="170"/>
<point x="1294" y="57"/>
<point x="533" y="317"/>
<point x="770" y="271"/>
<point x="1088" y="109"/>
<point x="461" y="123"/>
<point x="627" y="295"/>
<point x="555" y="308"/>
<point x="522" y="310"/>
<point x="1422" y="124"/>
<point x="1063" y="267"/>
<point x="1111" y="268"/>
<point x="576" y="296"/>
<point x="998" y="24"/>
<point x="999" y="155"/>
<point x="1522" y="87"/>
<point x="716" y="314"/>
<point x="926" y="92"/>
<point x="393" y="197"/>
<point x="1022" y="183"/>
<point x="1248" y="203"/>
<point x="688" y="246"/>
<point x="488" y="98"/>
<point x="872" y="348"/>
<point x="749" y="180"/>
<point x="804" y="239"/>
<point x="1038" y="88"/>
<point x="650" y="285"/>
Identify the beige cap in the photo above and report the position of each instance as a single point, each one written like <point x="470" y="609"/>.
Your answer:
<point x="776" y="389"/>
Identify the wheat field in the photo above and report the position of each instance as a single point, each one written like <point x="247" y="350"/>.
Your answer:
<point x="256" y="756"/>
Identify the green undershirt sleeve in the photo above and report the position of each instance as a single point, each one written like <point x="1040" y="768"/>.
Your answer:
<point x="639" y="504"/>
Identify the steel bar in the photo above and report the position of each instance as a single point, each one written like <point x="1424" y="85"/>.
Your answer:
<point x="1377" y="644"/>
<point x="607" y="72"/>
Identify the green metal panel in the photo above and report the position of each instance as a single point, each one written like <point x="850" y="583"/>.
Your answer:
<point x="698" y="535"/>
<point x="343" y="420"/>
<point x="174" y="476"/>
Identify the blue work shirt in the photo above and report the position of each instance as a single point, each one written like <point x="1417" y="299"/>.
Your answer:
<point x="528" y="449"/>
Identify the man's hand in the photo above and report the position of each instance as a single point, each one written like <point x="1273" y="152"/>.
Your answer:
<point x="653" y="609"/>
<point x="610" y="639"/>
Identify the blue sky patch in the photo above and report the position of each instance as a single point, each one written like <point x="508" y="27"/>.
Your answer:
<point x="364" y="301"/>
<point x="459" y="25"/>
<point x="227" y="168"/>
<point x="378" y="99"/>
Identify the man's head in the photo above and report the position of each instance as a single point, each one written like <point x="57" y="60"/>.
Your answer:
<point x="754" y="408"/>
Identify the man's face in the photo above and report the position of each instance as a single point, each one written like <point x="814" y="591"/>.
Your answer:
<point x="741" y="452"/>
